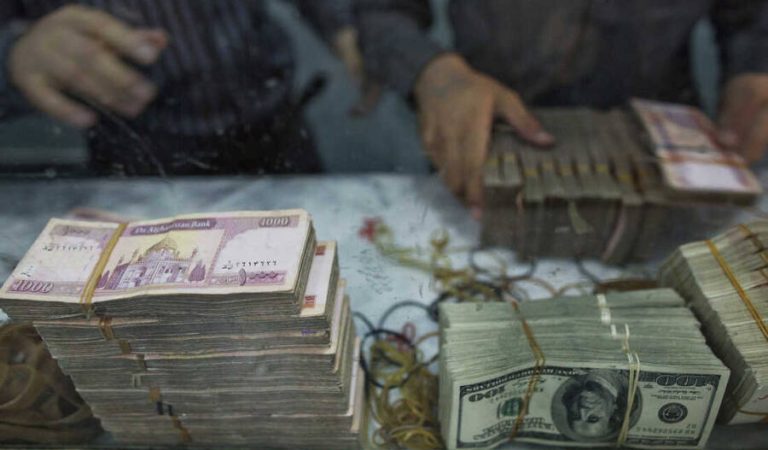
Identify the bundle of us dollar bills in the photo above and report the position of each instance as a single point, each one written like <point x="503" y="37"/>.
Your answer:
<point x="223" y="329"/>
<point x="724" y="281"/>
<point x="629" y="369"/>
<point x="616" y="184"/>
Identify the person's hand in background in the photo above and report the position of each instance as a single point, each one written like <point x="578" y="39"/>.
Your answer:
<point x="457" y="106"/>
<point x="77" y="51"/>
<point x="744" y="116"/>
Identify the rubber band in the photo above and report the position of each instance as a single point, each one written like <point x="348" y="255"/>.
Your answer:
<point x="105" y="326"/>
<point x="634" y="382"/>
<point x="141" y="362"/>
<point x="41" y="407"/>
<point x="743" y="295"/>
<point x="154" y="394"/>
<point x="633" y="378"/>
<point x="183" y="432"/>
<point x="539" y="362"/>
<point x="86" y="297"/>
<point x="755" y="413"/>
<point x="753" y="237"/>
<point x="605" y="311"/>
<point x="137" y="379"/>
<point x="125" y="347"/>
<point x="624" y="177"/>
<point x="409" y="421"/>
<point x="739" y="289"/>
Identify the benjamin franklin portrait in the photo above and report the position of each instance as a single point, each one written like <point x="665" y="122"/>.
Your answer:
<point x="591" y="407"/>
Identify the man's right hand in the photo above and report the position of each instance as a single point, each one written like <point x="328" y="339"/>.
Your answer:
<point x="457" y="106"/>
<point x="77" y="50"/>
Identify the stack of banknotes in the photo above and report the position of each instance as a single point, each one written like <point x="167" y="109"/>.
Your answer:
<point x="223" y="329"/>
<point x="724" y="281"/>
<point x="624" y="369"/>
<point x="616" y="184"/>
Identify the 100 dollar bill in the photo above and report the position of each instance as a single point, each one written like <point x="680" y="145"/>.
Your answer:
<point x="585" y="406"/>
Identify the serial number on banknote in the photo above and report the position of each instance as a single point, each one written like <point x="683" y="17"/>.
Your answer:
<point x="229" y="265"/>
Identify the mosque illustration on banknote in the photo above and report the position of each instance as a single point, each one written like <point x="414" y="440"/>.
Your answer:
<point x="161" y="263"/>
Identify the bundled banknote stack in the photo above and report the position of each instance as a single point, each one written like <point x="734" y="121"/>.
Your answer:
<point x="625" y="369"/>
<point x="616" y="184"/>
<point x="725" y="281"/>
<point x="223" y="329"/>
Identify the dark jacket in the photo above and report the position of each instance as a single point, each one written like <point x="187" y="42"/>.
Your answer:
<point x="228" y="63"/>
<point x="568" y="52"/>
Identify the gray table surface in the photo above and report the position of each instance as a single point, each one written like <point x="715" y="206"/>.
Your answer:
<point x="414" y="207"/>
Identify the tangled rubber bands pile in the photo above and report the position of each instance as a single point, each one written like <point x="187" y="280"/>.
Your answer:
<point x="401" y="390"/>
<point x="38" y="403"/>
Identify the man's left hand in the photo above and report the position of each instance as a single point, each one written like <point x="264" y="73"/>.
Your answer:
<point x="744" y="116"/>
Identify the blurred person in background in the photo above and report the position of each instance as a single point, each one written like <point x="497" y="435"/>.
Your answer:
<point x="167" y="87"/>
<point x="512" y="53"/>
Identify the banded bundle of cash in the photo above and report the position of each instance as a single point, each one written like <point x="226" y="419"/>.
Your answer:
<point x="614" y="184"/>
<point x="724" y="281"/>
<point x="227" y="329"/>
<point x="627" y="369"/>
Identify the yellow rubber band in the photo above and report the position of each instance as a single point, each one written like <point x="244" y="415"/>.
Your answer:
<point x="739" y="289"/>
<point x="539" y="362"/>
<point x="86" y="298"/>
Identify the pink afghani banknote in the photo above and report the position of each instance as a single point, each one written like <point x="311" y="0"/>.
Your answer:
<point x="221" y="253"/>
<point x="691" y="160"/>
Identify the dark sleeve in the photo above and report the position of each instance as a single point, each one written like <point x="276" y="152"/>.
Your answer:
<point x="326" y="16"/>
<point x="394" y="40"/>
<point x="742" y="32"/>
<point x="12" y="26"/>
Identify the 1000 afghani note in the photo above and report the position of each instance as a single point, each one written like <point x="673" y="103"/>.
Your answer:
<point x="225" y="253"/>
<point x="690" y="157"/>
<point x="585" y="406"/>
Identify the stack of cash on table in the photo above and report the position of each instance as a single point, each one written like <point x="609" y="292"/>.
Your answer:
<point x="725" y="281"/>
<point x="222" y="329"/>
<point x="607" y="188"/>
<point x="628" y="369"/>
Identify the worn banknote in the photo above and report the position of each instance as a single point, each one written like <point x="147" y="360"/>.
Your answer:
<point x="583" y="405"/>
<point x="690" y="156"/>
<point x="231" y="253"/>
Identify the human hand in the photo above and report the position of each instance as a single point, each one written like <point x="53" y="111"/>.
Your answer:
<point x="77" y="50"/>
<point x="457" y="106"/>
<point x="744" y="116"/>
